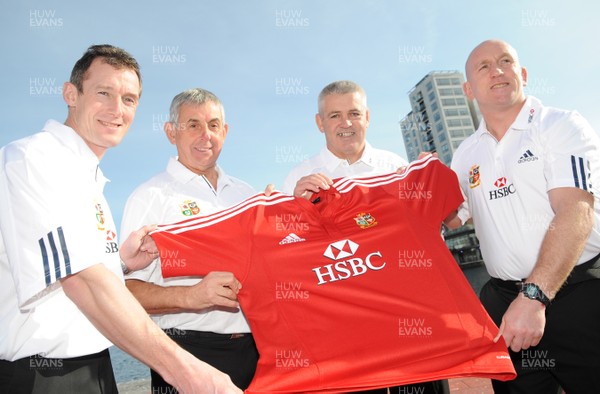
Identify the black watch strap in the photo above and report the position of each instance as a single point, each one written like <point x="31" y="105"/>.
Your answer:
<point x="533" y="292"/>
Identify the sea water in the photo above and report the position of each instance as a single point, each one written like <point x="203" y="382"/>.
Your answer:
<point x="127" y="368"/>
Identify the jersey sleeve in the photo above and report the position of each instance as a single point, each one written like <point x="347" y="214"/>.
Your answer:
<point x="52" y="225"/>
<point x="217" y="242"/>
<point x="570" y="146"/>
<point x="432" y="189"/>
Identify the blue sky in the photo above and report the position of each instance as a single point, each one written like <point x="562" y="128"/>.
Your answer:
<point x="268" y="60"/>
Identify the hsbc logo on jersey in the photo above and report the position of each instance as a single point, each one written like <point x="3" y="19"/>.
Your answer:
<point x="347" y="265"/>
<point x="503" y="189"/>
<point x="340" y="249"/>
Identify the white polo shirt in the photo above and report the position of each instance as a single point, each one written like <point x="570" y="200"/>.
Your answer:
<point x="506" y="184"/>
<point x="54" y="221"/>
<point x="372" y="162"/>
<point x="171" y="196"/>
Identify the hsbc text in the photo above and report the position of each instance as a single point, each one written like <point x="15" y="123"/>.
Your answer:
<point x="502" y="192"/>
<point x="347" y="268"/>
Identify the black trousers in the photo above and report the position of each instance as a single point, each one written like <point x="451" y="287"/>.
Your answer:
<point x="91" y="374"/>
<point x="235" y="355"/>
<point x="568" y="355"/>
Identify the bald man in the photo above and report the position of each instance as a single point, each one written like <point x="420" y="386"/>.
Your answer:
<point x="530" y="176"/>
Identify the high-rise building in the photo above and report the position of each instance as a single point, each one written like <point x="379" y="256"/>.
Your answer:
<point x="441" y="116"/>
<point x="440" y="119"/>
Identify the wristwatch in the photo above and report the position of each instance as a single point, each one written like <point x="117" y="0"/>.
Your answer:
<point x="124" y="268"/>
<point x="533" y="292"/>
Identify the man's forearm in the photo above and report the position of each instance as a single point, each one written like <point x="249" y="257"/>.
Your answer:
<point x="158" y="299"/>
<point x="562" y="246"/>
<point x="113" y="310"/>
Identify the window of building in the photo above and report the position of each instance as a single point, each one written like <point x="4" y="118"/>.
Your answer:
<point x="457" y="133"/>
<point x="442" y="81"/>
<point x="429" y="86"/>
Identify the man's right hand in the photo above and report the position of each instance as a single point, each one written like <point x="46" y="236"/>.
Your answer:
<point x="215" y="289"/>
<point x="313" y="183"/>
<point x="197" y="377"/>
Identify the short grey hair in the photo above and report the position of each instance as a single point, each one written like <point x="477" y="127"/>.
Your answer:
<point x="195" y="96"/>
<point x="341" y="87"/>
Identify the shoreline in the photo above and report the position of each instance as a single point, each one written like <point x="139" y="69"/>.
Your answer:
<point x="134" y="387"/>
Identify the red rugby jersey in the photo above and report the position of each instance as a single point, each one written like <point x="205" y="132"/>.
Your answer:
<point x="351" y="291"/>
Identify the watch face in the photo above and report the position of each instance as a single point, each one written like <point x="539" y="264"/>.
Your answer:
<point x="531" y="291"/>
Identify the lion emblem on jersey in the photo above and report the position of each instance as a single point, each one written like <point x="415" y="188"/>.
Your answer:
<point x="189" y="208"/>
<point x="99" y="217"/>
<point x="474" y="180"/>
<point x="365" y="220"/>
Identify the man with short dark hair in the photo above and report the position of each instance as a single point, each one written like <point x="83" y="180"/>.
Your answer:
<point x="61" y="285"/>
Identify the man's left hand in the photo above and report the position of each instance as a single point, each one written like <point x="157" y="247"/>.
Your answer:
<point x="523" y="323"/>
<point x="139" y="249"/>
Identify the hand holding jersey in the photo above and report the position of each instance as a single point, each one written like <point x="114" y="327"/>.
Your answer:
<point x="139" y="249"/>
<point x="310" y="184"/>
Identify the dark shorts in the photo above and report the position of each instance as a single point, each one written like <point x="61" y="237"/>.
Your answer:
<point x="92" y="374"/>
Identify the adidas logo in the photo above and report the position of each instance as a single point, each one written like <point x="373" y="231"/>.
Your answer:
<point x="290" y="239"/>
<point x="527" y="156"/>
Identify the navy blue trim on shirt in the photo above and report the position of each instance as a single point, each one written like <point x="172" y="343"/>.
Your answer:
<point x="63" y="246"/>
<point x="55" y="255"/>
<point x="574" y="167"/>
<point x="579" y="176"/>
<point x="45" y="261"/>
